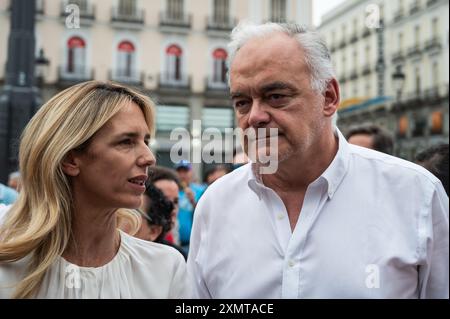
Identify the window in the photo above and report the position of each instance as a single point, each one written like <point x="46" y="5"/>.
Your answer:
<point x="126" y="59"/>
<point x="418" y="82"/>
<point x="127" y="7"/>
<point x="82" y="4"/>
<point x="221" y="13"/>
<point x="171" y="117"/>
<point x="174" y="59"/>
<point x="403" y="126"/>
<point x="175" y="10"/>
<point x="278" y="11"/>
<point x="417" y="35"/>
<point x="436" y="122"/>
<point x="217" y="117"/>
<point x="400" y="41"/>
<point x="220" y="66"/>
<point x="420" y="125"/>
<point x="434" y="27"/>
<point x="76" y="55"/>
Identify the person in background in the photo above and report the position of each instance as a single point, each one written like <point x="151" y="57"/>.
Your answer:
<point x="83" y="159"/>
<point x="189" y="195"/>
<point x="215" y="173"/>
<point x="435" y="159"/>
<point x="7" y="195"/>
<point x="14" y="181"/>
<point x="157" y="218"/>
<point x="167" y="181"/>
<point x="371" y="136"/>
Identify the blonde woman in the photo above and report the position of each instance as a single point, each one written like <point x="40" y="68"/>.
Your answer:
<point x="83" y="157"/>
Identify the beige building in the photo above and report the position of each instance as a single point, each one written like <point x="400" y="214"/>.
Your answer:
<point x="372" y="40"/>
<point x="175" y="50"/>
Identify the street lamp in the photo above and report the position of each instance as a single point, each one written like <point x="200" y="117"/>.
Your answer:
<point x="398" y="77"/>
<point x="41" y="67"/>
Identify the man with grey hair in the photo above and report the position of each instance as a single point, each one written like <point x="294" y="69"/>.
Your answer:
<point x="335" y="220"/>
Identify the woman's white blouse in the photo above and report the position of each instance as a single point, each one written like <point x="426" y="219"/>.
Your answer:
<point x="140" y="269"/>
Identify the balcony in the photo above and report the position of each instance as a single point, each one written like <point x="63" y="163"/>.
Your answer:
<point x="433" y="44"/>
<point x="353" y="75"/>
<point x="79" y="74"/>
<point x="136" y="16"/>
<point x="87" y="12"/>
<point x="398" y="57"/>
<point x="342" y="44"/>
<point x="175" y="20"/>
<point x="431" y="2"/>
<point x="414" y="8"/>
<point x="332" y="48"/>
<point x="342" y="79"/>
<point x="353" y="38"/>
<point x="222" y="25"/>
<point x="366" y="70"/>
<point x="366" y="32"/>
<point x="215" y="85"/>
<point x="130" y="77"/>
<point x="398" y="15"/>
<point x="414" y="51"/>
<point x="169" y="81"/>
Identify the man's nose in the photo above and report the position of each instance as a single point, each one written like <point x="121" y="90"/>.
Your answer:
<point x="258" y="117"/>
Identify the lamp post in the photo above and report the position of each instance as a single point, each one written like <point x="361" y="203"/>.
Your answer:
<point x="19" y="98"/>
<point x="42" y="64"/>
<point x="398" y="78"/>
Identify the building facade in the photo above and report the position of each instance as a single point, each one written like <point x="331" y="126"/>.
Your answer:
<point x="173" y="50"/>
<point x="372" y="40"/>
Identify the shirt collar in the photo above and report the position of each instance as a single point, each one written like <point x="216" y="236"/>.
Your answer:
<point x="334" y="174"/>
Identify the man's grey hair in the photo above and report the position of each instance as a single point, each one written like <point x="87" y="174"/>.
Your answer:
<point x="316" y="57"/>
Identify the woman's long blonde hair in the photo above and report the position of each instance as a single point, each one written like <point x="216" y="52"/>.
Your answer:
<point x="39" y="223"/>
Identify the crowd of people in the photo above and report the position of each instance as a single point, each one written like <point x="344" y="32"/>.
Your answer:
<point x="91" y="203"/>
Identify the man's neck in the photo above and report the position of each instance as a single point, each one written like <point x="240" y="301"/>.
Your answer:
<point x="300" y="170"/>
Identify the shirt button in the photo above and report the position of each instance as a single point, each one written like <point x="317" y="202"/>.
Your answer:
<point x="291" y="263"/>
<point x="280" y="216"/>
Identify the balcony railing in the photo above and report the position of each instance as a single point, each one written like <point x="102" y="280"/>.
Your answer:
<point x="179" y="20"/>
<point x="353" y="75"/>
<point x="366" y="32"/>
<point x="366" y="69"/>
<point x="415" y="7"/>
<point x="132" y="77"/>
<point x="76" y="75"/>
<point x="354" y="38"/>
<point x="226" y="24"/>
<point x="398" y="57"/>
<point x="136" y="16"/>
<point x="414" y="50"/>
<point x="86" y="12"/>
<point x="216" y="85"/>
<point x="398" y="15"/>
<point x="433" y="44"/>
<point x="166" y="80"/>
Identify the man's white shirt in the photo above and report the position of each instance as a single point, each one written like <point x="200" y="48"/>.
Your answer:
<point x="371" y="226"/>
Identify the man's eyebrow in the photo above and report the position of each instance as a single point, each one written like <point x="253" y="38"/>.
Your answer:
<point x="276" y="86"/>
<point x="237" y="94"/>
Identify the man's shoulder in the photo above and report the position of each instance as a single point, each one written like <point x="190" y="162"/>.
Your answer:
<point x="389" y="165"/>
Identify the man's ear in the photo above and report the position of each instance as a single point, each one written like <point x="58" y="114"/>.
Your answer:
<point x="71" y="164"/>
<point x="332" y="98"/>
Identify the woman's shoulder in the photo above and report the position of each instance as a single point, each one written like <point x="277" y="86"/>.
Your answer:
<point x="138" y="248"/>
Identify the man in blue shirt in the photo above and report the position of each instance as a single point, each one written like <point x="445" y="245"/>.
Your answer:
<point x="190" y="193"/>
